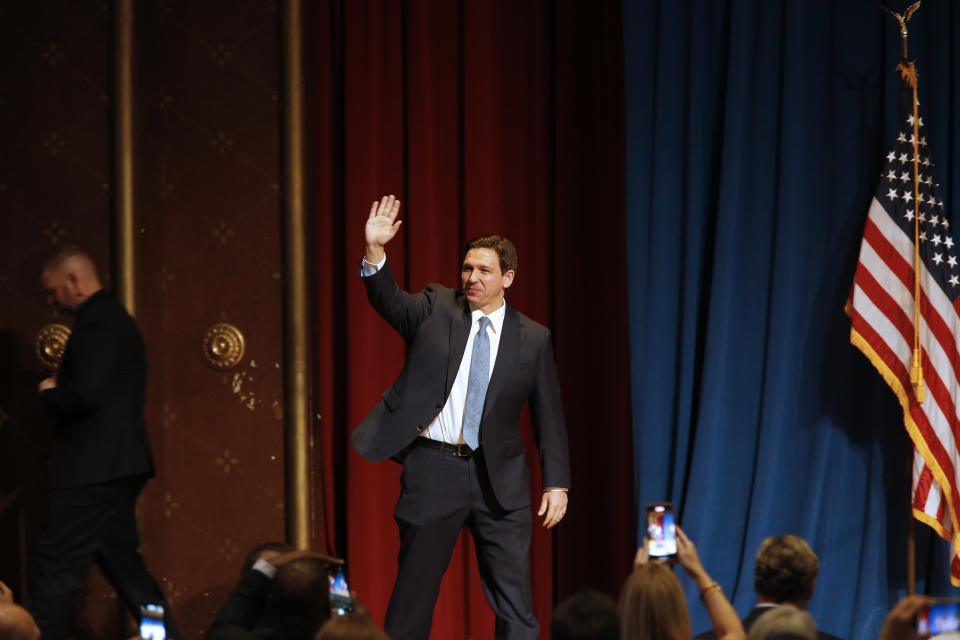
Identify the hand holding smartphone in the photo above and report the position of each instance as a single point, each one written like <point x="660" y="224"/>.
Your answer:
<point x="661" y="531"/>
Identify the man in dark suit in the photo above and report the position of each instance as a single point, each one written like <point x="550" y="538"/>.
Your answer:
<point x="452" y="417"/>
<point x="785" y="573"/>
<point x="100" y="454"/>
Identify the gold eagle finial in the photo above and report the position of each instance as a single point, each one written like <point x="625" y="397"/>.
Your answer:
<point x="903" y="20"/>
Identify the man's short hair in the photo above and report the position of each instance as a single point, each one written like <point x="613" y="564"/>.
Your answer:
<point x="786" y="569"/>
<point x="300" y="593"/>
<point x="504" y="248"/>
<point x="586" y="615"/>
<point x="783" y="622"/>
<point x="56" y="257"/>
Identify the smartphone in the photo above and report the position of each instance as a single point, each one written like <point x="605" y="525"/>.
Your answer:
<point x="661" y="531"/>
<point x="151" y="622"/>
<point x="340" y="603"/>
<point x="942" y="616"/>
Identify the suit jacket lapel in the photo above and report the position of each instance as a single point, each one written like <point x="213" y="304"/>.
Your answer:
<point x="459" y="332"/>
<point x="510" y="341"/>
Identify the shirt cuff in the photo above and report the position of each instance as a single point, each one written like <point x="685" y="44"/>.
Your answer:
<point x="265" y="568"/>
<point x="369" y="268"/>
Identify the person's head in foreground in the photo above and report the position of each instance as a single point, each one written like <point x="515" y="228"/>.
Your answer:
<point x="16" y="623"/>
<point x="351" y="627"/>
<point x="785" y="571"/>
<point x="300" y="593"/>
<point x="653" y="606"/>
<point x="783" y="622"/>
<point x="586" y="615"/>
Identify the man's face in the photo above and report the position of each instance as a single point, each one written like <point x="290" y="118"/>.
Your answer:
<point x="482" y="280"/>
<point x="61" y="289"/>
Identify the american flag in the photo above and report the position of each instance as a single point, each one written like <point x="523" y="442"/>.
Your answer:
<point x="882" y="311"/>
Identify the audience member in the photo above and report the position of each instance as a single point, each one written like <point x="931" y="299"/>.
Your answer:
<point x="16" y="623"/>
<point x="283" y="598"/>
<point x="301" y="595"/>
<point x="785" y="573"/>
<point x="586" y="615"/>
<point x="783" y="622"/>
<point x="653" y="606"/>
<point x="351" y="627"/>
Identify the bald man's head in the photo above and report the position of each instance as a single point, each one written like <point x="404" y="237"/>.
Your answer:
<point x="69" y="278"/>
<point x="16" y="623"/>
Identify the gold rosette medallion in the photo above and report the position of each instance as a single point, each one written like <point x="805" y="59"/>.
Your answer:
<point x="50" y="344"/>
<point x="223" y="346"/>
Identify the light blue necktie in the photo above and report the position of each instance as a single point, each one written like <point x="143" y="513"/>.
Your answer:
<point x="477" y="385"/>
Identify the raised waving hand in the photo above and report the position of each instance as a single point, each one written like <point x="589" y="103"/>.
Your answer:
<point x="382" y="225"/>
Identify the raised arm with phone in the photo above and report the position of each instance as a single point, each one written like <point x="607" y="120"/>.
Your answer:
<point x="653" y="605"/>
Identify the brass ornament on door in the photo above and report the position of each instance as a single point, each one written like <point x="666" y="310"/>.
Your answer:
<point x="223" y="346"/>
<point x="50" y="344"/>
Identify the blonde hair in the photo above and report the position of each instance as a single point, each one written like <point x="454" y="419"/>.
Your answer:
<point x="783" y="619"/>
<point x="652" y="606"/>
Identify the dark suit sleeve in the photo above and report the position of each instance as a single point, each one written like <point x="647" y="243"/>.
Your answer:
<point x="85" y="385"/>
<point x="546" y="414"/>
<point x="243" y="608"/>
<point x="404" y="311"/>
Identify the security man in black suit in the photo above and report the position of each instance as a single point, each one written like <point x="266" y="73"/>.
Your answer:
<point x="100" y="454"/>
<point x="453" y="417"/>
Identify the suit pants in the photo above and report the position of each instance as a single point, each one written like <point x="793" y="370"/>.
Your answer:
<point x="83" y="525"/>
<point x="440" y="494"/>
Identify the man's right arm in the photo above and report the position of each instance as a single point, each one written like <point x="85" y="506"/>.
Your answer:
<point x="402" y="310"/>
<point x="94" y="356"/>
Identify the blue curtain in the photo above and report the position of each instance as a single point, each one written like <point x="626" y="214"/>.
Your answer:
<point x="755" y="131"/>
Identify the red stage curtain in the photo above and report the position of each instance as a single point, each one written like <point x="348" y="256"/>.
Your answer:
<point x="482" y="117"/>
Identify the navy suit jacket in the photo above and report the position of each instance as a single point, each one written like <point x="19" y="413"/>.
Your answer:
<point x="436" y="325"/>
<point x="97" y="405"/>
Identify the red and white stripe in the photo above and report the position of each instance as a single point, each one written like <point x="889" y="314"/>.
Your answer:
<point x="882" y="314"/>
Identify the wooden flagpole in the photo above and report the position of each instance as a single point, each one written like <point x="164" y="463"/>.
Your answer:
<point x="909" y="73"/>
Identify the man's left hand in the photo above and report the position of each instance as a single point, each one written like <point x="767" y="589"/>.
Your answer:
<point x="47" y="383"/>
<point x="554" y="505"/>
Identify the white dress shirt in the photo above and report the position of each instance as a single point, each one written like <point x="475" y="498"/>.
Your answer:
<point x="448" y="425"/>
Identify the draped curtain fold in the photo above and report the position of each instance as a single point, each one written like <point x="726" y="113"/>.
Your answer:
<point x="755" y="131"/>
<point x="482" y="117"/>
